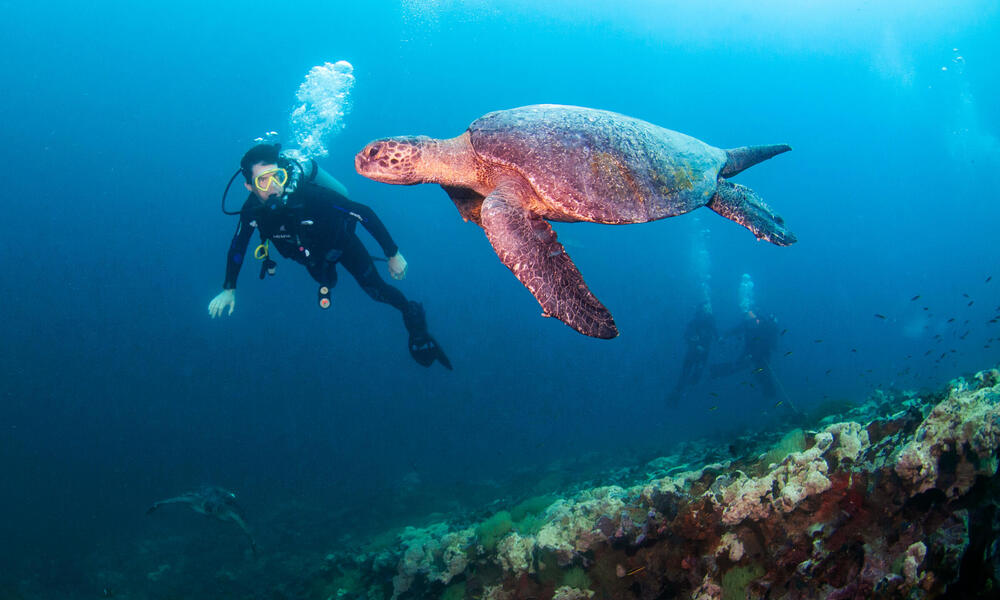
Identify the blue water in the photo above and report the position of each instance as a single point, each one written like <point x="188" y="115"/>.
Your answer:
<point x="122" y="123"/>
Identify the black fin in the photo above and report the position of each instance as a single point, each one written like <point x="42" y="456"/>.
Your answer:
<point x="743" y="158"/>
<point x="425" y="350"/>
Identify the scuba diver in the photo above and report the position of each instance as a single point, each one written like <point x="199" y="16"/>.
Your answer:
<point x="699" y="335"/>
<point x="214" y="502"/>
<point x="305" y="214"/>
<point x="760" y="339"/>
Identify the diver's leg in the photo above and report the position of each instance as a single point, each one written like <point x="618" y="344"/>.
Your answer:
<point x="765" y="379"/>
<point x="684" y="381"/>
<point x="360" y="265"/>
<point x="324" y="272"/>
<point x="423" y="347"/>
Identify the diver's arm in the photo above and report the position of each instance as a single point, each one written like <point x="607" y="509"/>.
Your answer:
<point x="373" y="224"/>
<point x="237" y="252"/>
<point x="234" y="260"/>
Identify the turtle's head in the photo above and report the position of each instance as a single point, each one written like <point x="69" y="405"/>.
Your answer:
<point x="399" y="160"/>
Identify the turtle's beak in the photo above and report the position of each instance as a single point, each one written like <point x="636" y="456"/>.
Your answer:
<point x="389" y="160"/>
<point x="367" y="159"/>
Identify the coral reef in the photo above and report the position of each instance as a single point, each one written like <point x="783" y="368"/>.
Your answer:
<point x="896" y="498"/>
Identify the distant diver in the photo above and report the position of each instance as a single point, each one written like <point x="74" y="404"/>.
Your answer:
<point x="214" y="502"/>
<point x="760" y="339"/>
<point x="514" y="170"/>
<point x="307" y="217"/>
<point x="699" y="334"/>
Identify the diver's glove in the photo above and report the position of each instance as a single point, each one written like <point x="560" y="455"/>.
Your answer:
<point x="397" y="266"/>
<point x="220" y="302"/>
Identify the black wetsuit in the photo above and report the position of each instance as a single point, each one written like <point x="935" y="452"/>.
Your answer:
<point x="760" y="339"/>
<point x="698" y="337"/>
<point x="316" y="228"/>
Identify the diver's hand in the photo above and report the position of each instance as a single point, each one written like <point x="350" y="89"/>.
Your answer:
<point x="397" y="266"/>
<point x="220" y="302"/>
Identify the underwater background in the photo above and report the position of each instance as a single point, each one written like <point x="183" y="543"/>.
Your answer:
<point x="122" y="123"/>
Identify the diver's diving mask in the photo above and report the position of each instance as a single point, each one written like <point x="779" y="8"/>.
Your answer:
<point x="270" y="177"/>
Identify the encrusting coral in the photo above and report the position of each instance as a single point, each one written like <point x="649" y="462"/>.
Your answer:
<point x="876" y="507"/>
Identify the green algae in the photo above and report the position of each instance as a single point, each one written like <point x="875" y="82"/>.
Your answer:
<point x="490" y="531"/>
<point x="532" y="506"/>
<point x="736" y="580"/>
<point x="455" y="591"/>
<point x="576" y="578"/>
<point x="794" y="441"/>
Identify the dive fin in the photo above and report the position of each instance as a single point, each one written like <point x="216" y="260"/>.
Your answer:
<point x="425" y="350"/>
<point x="527" y="245"/>
<point x="740" y="159"/>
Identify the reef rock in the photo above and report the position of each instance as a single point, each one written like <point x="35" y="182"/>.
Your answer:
<point x="902" y="505"/>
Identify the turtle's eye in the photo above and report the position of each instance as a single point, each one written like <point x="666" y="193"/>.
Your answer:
<point x="373" y="152"/>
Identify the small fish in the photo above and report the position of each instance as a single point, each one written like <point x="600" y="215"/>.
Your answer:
<point x="711" y="408"/>
<point x="917" y="297"/>
<point x="789" y="353"/>
<point x="878" y="316"/>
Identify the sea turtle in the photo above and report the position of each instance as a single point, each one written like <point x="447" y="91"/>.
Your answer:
<point x="214" y="502"/>
<point x="513" y="170"/>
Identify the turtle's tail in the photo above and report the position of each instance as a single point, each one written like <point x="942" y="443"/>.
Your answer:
<point x="740" y="159"/>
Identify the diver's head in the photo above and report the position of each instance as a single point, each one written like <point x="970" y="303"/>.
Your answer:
<point x="264" y="178"/>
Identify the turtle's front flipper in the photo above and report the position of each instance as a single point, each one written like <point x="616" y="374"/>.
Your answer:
<point x="740" y="204"/>
<point x="242" y="524"/>
<point x="184" y="499"/>
<point x="528" y="246"/>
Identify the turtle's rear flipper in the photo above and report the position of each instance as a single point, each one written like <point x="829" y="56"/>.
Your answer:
<point x="528" y="246"/>
<point x="740" y="204"/>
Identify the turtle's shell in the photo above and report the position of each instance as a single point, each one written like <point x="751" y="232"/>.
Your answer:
<point x="600" y="166"/>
